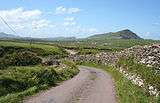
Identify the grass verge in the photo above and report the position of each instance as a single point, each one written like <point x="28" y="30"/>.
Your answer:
<point x="150" y="75"/>
<point x="126" y="91"/>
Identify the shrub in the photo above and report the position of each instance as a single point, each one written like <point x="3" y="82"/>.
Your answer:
<point x="48" y="76"/>
<point x="22" y="59"/>
<point x="1" y="51"/>
<point x="3" y="64"/>
<point x="69" y="63"/>
<point x="19" y="79"/>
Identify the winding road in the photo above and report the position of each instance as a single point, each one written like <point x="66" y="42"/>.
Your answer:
<point x="89" y="86"/>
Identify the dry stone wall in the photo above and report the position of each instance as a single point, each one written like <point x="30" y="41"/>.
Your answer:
<point x="148" y="55"/>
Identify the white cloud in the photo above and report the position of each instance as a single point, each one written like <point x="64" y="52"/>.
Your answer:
<point x="92" y="30"/>
<point x="69" y="23"/>
<point x="24" y="20"/>
<point x="60" y="10"/>
<point x="147" y="34"/>
<point x="151" y="35"/>
<point x="41" y="24"/>
<point x="73" y="10"/>
<point x="69" y="18"/>
<point x="63" y="10"/>
<point x="20" y="15"/>
<point x="33" y="22"/>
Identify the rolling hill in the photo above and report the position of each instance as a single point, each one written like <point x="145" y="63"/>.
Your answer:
<point x="7" y="36"/>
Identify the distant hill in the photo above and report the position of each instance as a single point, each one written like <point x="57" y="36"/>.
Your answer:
<point x="124" y="34"/>
<point x="11" y="36"/>
<point x="7" y="36"/>
<point x="60" y="39"/>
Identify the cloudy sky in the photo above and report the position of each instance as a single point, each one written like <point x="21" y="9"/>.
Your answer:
<point x="80" y="18"/>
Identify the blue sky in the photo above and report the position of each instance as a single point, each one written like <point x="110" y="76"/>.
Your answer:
<point x="80" y="18"/>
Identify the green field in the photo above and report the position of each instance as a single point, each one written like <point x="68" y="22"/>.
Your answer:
<point x="83" y="44"/>
<point x="43" y="49"/>
<point x="102" y="45"/>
